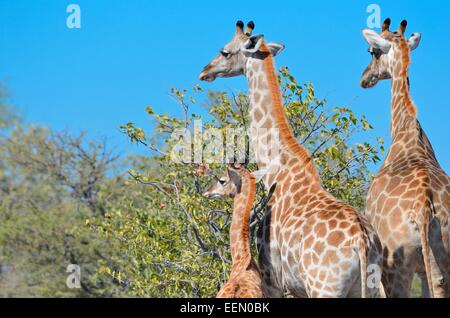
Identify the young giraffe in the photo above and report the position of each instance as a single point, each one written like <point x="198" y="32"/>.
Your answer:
<point x="245" y="279"/>
<point x="409" y="200"/>
<point x="312" y="245"/>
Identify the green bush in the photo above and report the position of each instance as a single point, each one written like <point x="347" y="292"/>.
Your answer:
<point x="173" y="242"/>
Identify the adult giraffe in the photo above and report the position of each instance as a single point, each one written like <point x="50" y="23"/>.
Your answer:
<point x="409" y="200"/>
<point x="313" y="244"/>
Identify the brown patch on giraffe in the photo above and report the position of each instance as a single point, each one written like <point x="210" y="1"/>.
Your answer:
<point x="309" y="241"/>
<point x="314" y="272"/>
<point x="298" y="197"/>
<point x="336" y="237"/>
<point x="330" y="258"/>
<point x="414" y="184"/>
<point x="395" y="218"/>
<point x="378" y="185"/>
<point x="322" y="275"/>
<point x="287" y="235"/>
<point x="319" y="247"/>
<point x="315" y="258"/>
<point x="332" y="224"/>
<point x="282" y="175"/>
<point x="307" y="260"/>
<point x="344" y="225"/>
<point x="312" y="205"/>
<point x="295" y="186"/>
<point x="389" y="204"/>
<point x="381" y="201"/>
<point x="406" y="204"/>
<point x="383" y="228"/>
<point x="296" y="237"/>
<point x="398" y="234"/>
<point x="321" y="206"/>
<point x="267" y="124"/>
<point x="343" y="215"/>
<point x="258" y="115"/>
<point x="326" y="215"/>
<point x="290" y="223"/>
<point x="320" y="229"/>
<point x="256" y="96"/>
<point x="354" y="229"/>
<point x="394" y="183"/>
<point x="398" y="191"/>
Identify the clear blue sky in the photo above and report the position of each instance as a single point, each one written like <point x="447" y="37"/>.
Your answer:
<point x="128" y="54"/>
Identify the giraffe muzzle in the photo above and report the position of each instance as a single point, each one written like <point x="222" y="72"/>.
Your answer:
<point x="207" y="77"/>
<point x="211" y="196"/>
<point x="206" y="74"/>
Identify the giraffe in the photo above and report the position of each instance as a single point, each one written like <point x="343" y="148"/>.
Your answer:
<point x="245" y="279"/>
<point x="408" y="203"/>
<point x="311" y="244"/>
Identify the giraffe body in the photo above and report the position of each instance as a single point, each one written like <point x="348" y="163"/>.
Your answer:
<point x="409" y="201"/>
<point x="245" y="278"/>
<point x="408" y="198"/>
<point x="318" y="249"/>
<point x="311" y="244"/>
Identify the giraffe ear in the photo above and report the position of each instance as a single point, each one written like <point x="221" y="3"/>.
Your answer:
<point x="275" y="48"/>
<point x="253" y="44"/>
<point x="236" y="179"/>
<point x="414" y="41"/>
<point x="376" y="41"/>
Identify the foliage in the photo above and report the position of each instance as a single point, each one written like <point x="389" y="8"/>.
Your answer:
<point x="8" y="116"/>
<point x="52" y="183"/>
<point x="176" y="243"/>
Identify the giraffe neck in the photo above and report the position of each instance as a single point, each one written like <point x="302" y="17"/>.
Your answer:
<point x="408" y="138"/>
<point x="240" y="224"/>
<point x="267" y="117"/>
<point x="403" y="109"/>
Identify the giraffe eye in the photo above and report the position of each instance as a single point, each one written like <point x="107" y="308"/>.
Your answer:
<point x="225" y="54"/>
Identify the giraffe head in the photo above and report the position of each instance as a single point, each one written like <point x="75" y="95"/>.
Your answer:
<point x="228" y="185"/>
<point x="390" y="53"/>
<point x="232" y="58"/>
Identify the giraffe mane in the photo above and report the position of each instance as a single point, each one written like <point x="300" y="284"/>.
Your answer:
<point x="406" y="61"/>
<point x="285" y="131"/>
<point x="245" y="234"/>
